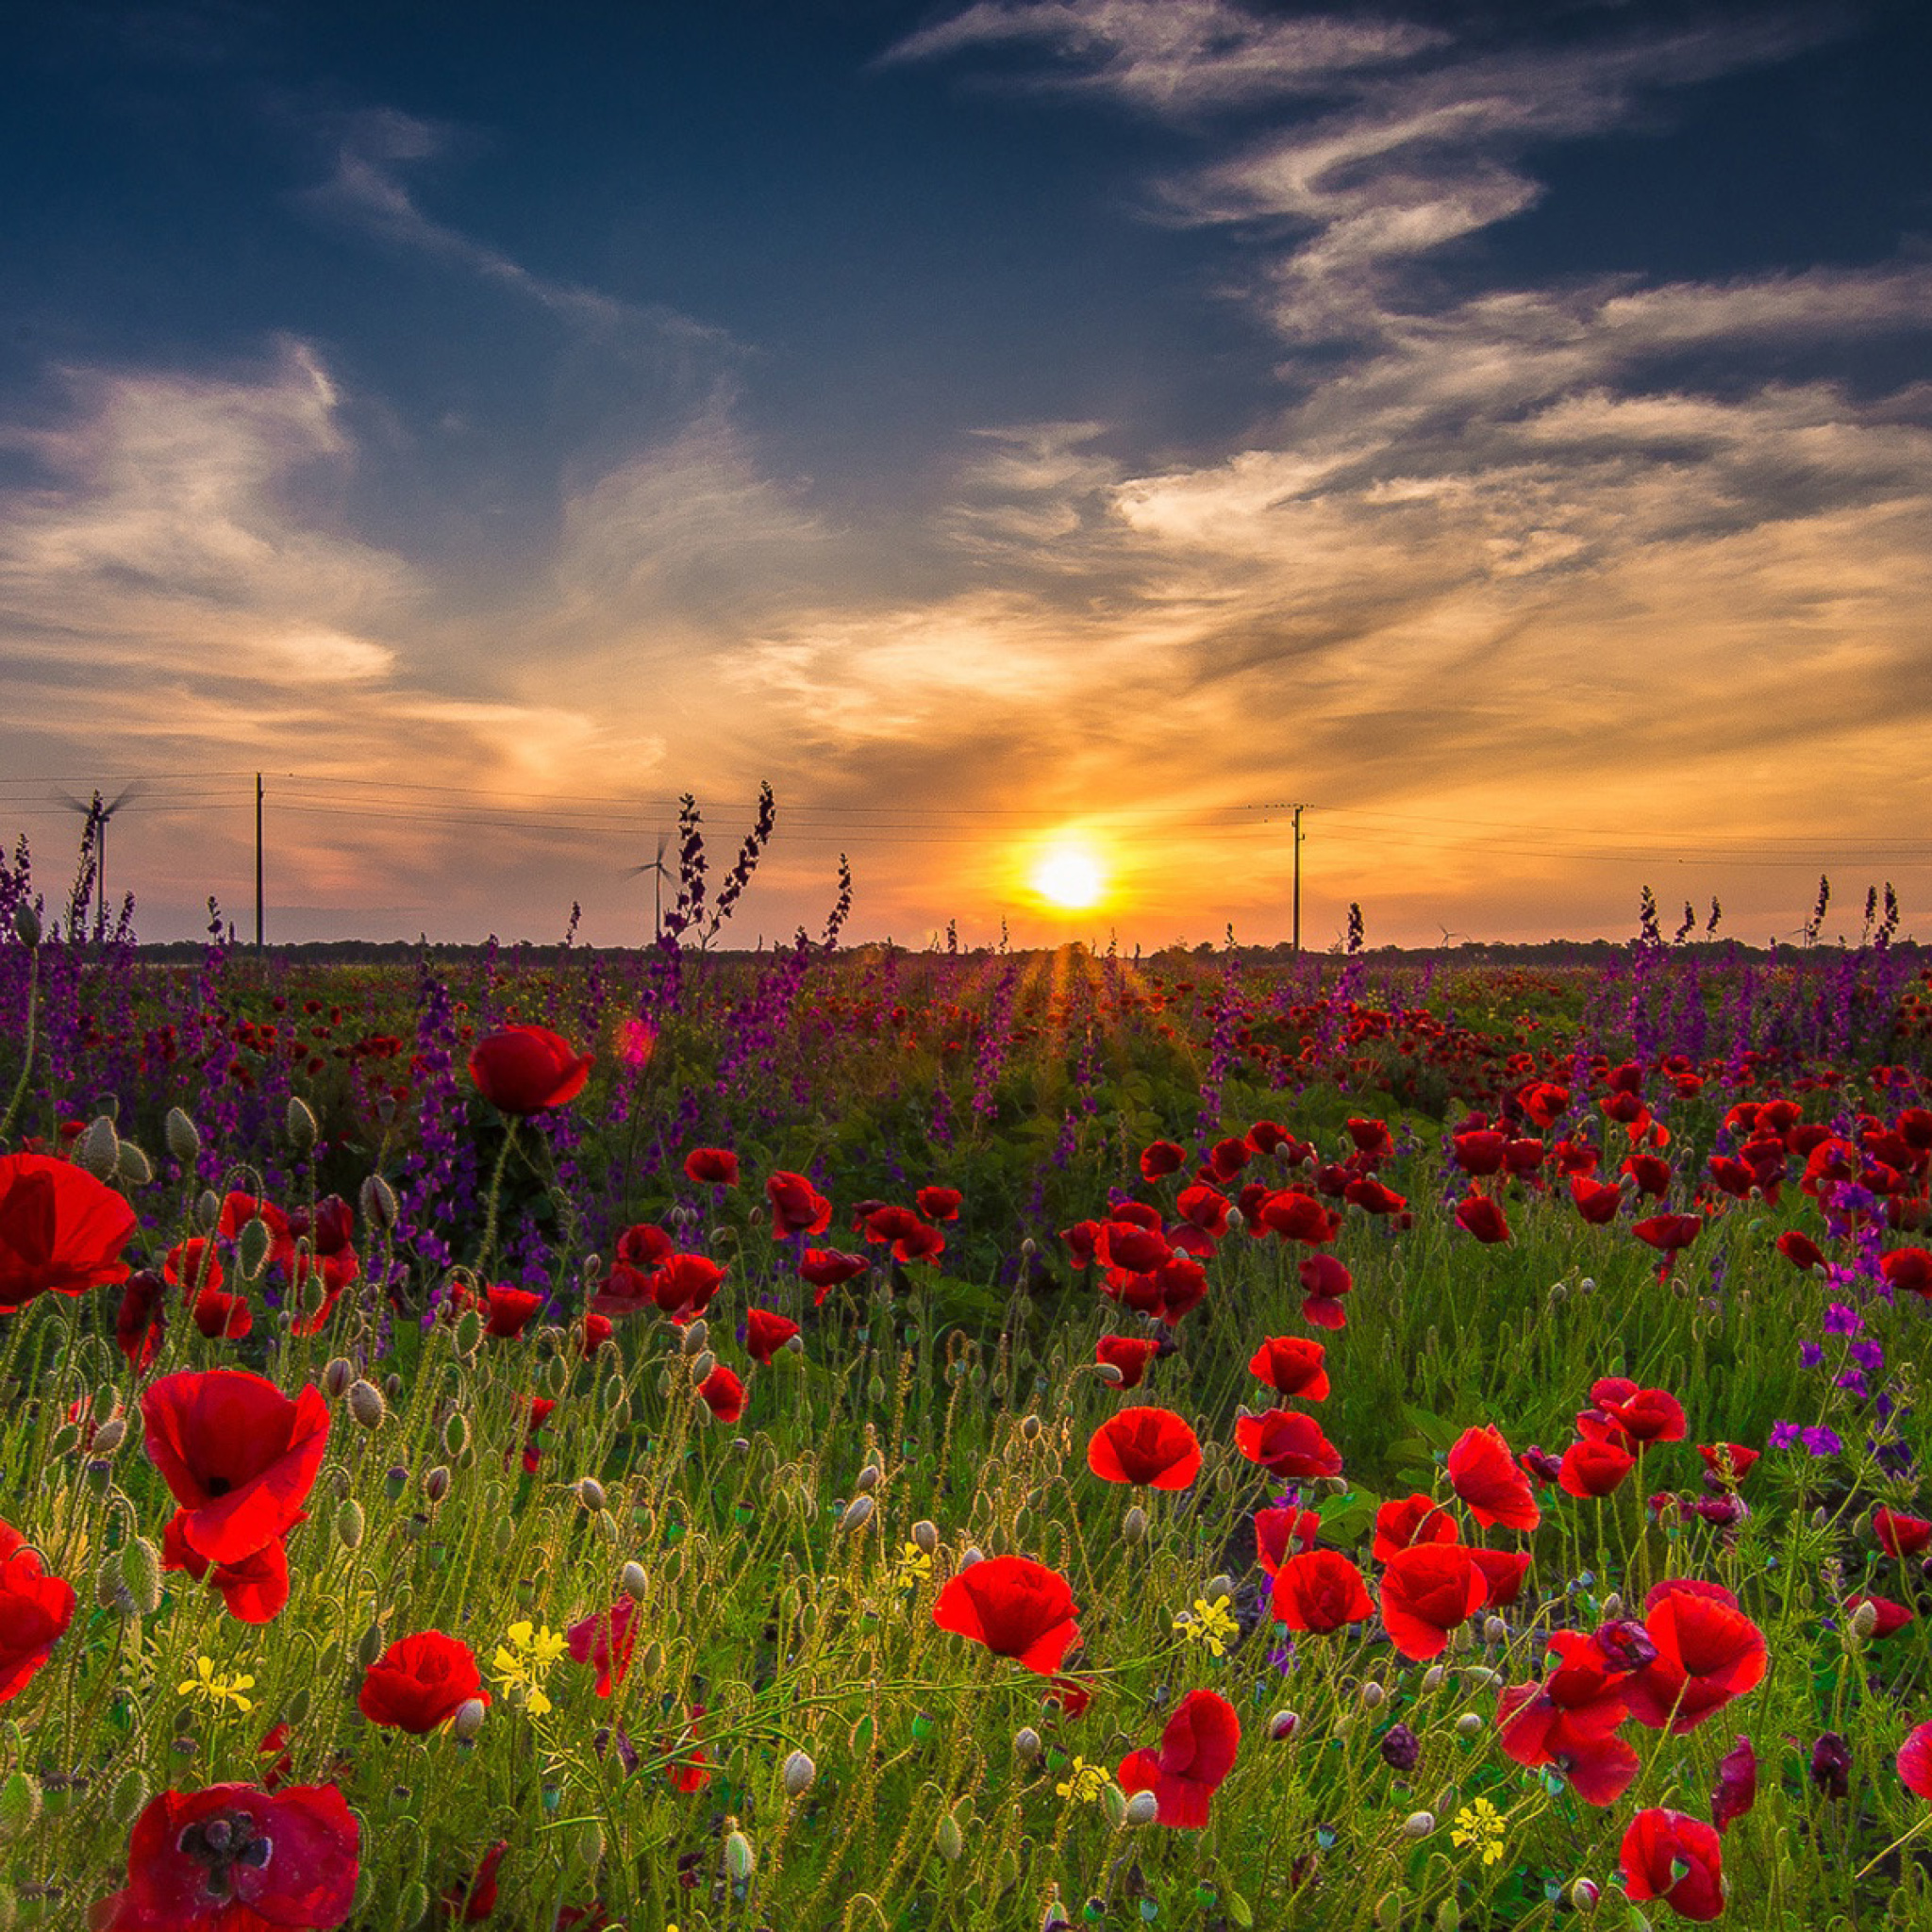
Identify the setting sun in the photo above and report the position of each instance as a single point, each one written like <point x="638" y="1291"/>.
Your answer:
<point x="1069" y="877"/>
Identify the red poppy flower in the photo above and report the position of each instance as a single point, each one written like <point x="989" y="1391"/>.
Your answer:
<point x="1374" y="1196"/>
<point x="235" y="1858"/>
<point x="1669" y="1233"/>
<point x="540" y="1407"/>
<point x="1567" y="1721"/>
<point x="1651" y="1172"/>
<point x="940" y="1204"/>
<point x="1594" y="1468"/>
<point x="138" y="1322"/>
<point x="683" y="1286"/>
<point x="1503" y="1571"/>
<point x="1889" y="1618"/>
<point x="1290" y="1445"/>
<point x="1197" y="1752"/>
<point x="191" y="1265"/>
<point x="473" y="1900"/>
<point x="797" y="1206"/>
<point x="1728" y="1461"/>
<point x="1319" y="1590"/>
<point x="597" y="1331"/>
<point x="1909" y="1268"/>
<point x="644" y="1245"/>
<point x="1279" y="1531"/>
<point x="34" y="1611"/>
<point x="1296" y="1215"/>
<point x="1080" y="1240"/>
<point x="1485" y="1476"/>
<point x="1404" y="1521"/>
<point x="1227" y="1158"/>
<point x="691" y="1771"/>
<point x="510" y="1309"/>
<point x="716" y="1166"/>
<point x="1478" y="1152"/>
<point x="1427" y="1590"/>
<point x="722" y="1393"/>
<point x="1801" y="1250"/>
<point x="238" y="1455"/>
<point x="61" y="1231"/>
<point x="274" y="1747"/>
<point x="1292" y="1365"/>
<point x="1679" y="1859"/>
<point x="1152" y="1446"/>
<point x="765" y="1334"/>
<point x="1373" y="1139"/>
<point x="526" y="1070"/>
<point x="1016" y="1607"/>
<point x="218" y="1315"/>
<point x="1645" y="1415"/>
<point x="1161" y="1158"/>
<point x="253" y="1588"/>
<point x="1325" y="1281"/>
<point x="1129" y="1354"/>
<point x="1736" y="1790"/>
<point x="1915" y="1761"/>
<point x="1130" y="1248"/>
<point x="1596" y="1201"/>
<point x="605" y="1643"/>
<point x="420" y="1682"/>
<point x="826" y="1269"/>
<point x="1707" y="1652"/>
<point x="1899" y="1535"/>
<point x="911" y="1238"/>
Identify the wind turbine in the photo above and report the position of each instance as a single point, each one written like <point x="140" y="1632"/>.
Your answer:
<point x="663" y="872"/>
<point x="97" y="815"/>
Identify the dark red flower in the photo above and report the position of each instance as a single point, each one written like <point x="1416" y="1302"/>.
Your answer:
<point x="1152" y="1446"/>
<point x="1404" y="1521"/>
<point x="1374" y="1196"/>
<point x="219" y="1315"/>
<point x="797" y="1206"/>
<point x="605" y="1643"/>
<point x="237" y="1858"/>
<point x="765" y="1334"/>
<point x="1291" y="1365"/>
<point x="690" y="1770"/>
<point x="1736" y="1790"/>
<point x="1288" y="1443"/>
<point x="1728" y="1461"/>
<point x="1645" y="1415"/>
<point x="826" y="1269"/>
<point x="1016" y="1607"/>
<point x="138" y="1322"/>
<point x="1161" y="1158"/>
<point x="1503" y="1571"/>
<point x="1669" y="1233"/>
<point x="717" y="1166"/>
<point x="1651" y="1172"/>
<point x="912" y="1240"/>
<point x="1427" y="1590"/>
<point x="510" y="1309"/>
<point x="34" y="1611"/>
<point x="61" y="1231"/>
<point x="1909" y="1268"/>
<point x="191" y="1265"/>
<point x="1296" y="1215"/>
<point x="238" y="1455"/>
<point x="722" y="1393"/>
<point x="683" y="1286"/>
<point x="1321" y="1590"/>
<point x="1801" y="1250"/>
<point x="1478" y="1152"/>
<point x="1280" y="1531"/>
<point x="1373" y="1139"/>
<point x="1197" y="1752"/>
<point x="1325" y="1281"/>
<point x="1900" y="1535"/>
<point x="597" y="1331"/>
<point x="473" y="1900"/>
<point x="1596" y="1201"/>
<point x="1130" y="1248"/>
<point x="1915" y="1761"/>
<point x="1484" y="1474"/>
<point x="1206" y="1208"/>
<point x="1707" y="1652"/>
<point x="253" y="1588"/>
<point x="644" y="1245"/>
<point x="1568" y="1720"/>
<point x="540" y="1407"/>
<point x="1887" y="1617"/>
<point x="420" y="1682"/>
<point x="1679" y="1859"/>
<point x="526" y="1070"/>
<point x="1594" y="1468"/>
<point x="938" y="1204"/>
<point x="1227" y="1158"/>
<point x="1129" y="1354"/>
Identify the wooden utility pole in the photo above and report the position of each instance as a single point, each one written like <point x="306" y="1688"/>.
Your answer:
<point x="1298" y="810"/>
<point x="258" y="864"/>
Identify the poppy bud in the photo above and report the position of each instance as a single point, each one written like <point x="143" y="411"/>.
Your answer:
<point x="858" y="1513"/>
<point x="1400" y="1747"/>
<point x="950" y="1844"/>
<point x="1030" y="1428"/>
<point x="336" y="1376"/>
<point x="1219" y="1586"/>
<point x="1027" y="1746"/>
<point x="435" y="1484"/>
<point x="301" y="1122"/>
<point x="971" y="1554"/>
<point x="1419" y="1824"/>
<point x="20" y="1804"/>
<point x="297" y="1711"/>
<point x="110" y="1436"/>
<point x="1143" y="1807"/>
<point x="111" y="1591"/>
<point x="1134" y="1526"/>
<point x="207" y="1210"/>
<point x="140" y="1570"/>
<point x="132" y="1166"/>
<point x="252" y="1249"/>
<point x="1496" y="1630"/>
<point x="129" y="1798"/>
<point x="868" y="1479"/>
<point x="634" y="1584"/>
<point x="1433" y="1678"/>
<point x="799" y="1772"/>
<point x="99" y="1151"/>
<point x="378" y="1203"/>
<point x="26" y="925"/>
<point x="651" y="1662"/>
<point x="350" y="1524"/>
<point x="1110" y="1374"/>
<point x="1113" y="1805"/>
<point x="469" y="1719"/>
<point x="366" y="1404"/>
<point x="926" y="1536"/>
<point x="1469" y="1725"/>
<point x="702" y="1366"/>
<point x="181" y="1137"/>
<point x="1373" y="1696"/>
<point x="1864" y="1619"/>
<point x="369" y="1646"/>
<point x="1283" y="1725"/>
<point x="694" y="1337"/>
<point x="393" y="1387"/>
<point x="1448" y="1916"/>
<point x="1584" y="1894"/>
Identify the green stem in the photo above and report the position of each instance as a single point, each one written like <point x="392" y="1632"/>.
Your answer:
<point x="26" y="1064"/>
<point x="495" y="1196"/>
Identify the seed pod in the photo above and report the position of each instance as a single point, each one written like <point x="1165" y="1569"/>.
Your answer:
<point x="740" y="1861"/>
<point x="634" y="1584"/>
<point x="366" y="1404"/>
<point x="99" y="1148"/>
<point x="702" y="1364"/>
<point x="1134" y="1526"/>
<point x="1027" y="1746"/>
<point x="799" y="1772"/>
<point x="858" y="1513"/>
<point x="927" y="1535"/>
<point x="378" y="1200"/>
<point x="350" y="1524"/>
<point x="590" y="1492"/>
<point x="207" y="1210"/>
<point x="469" y="1719"/>
<point x="1419" y="1824"/>
<point x="301" y="1122"/>
<point x="252" y="1249"/>
<point x="1143" y="1807"/>
<point x="435" y="1484"/>
<point x="694" y="1337"/>
<point x="1469" y="1725"/>
<point x="110" y="1435"/>
<point x="140" y="1570"/>
<point x="133" y="1166"/>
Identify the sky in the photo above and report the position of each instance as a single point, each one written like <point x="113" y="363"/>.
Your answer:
<point x="1026" y="431"/>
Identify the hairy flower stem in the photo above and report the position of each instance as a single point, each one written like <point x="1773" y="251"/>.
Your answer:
<point x="28" y="1044"/>
<point x="494" y="1198"/>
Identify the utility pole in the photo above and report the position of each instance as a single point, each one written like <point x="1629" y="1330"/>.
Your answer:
<point x="258" y="864"/>
<point x="1297" y="811"/>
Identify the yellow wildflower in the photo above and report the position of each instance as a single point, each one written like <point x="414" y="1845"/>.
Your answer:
<point x="218" y="1690"/>
<point x="1480" y="1824"/>
<point x="1210" y="1624"/>
<point x="1084" y="1782"/>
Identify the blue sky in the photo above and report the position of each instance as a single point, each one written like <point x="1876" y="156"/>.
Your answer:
<point x="1503" y="427"/>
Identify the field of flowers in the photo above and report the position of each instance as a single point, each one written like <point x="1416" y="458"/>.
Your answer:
<point x="851" y="1438"/>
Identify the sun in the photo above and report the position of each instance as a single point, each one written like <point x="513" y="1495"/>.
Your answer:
<point x="1068" y="875"/>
